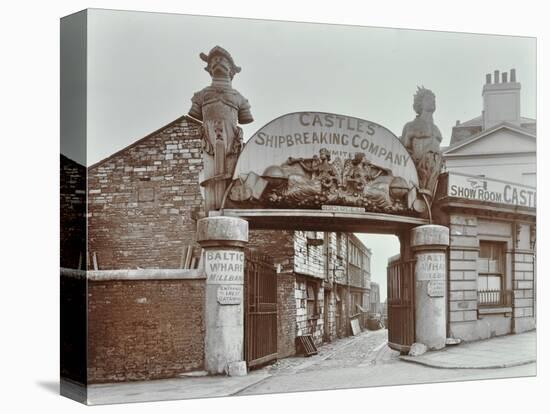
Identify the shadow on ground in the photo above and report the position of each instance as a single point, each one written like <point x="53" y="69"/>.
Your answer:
<point x="51" y="386"/>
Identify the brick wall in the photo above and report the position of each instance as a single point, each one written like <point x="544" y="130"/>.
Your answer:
<point x="286" y="318"/>
<point x="144" y="329"/>
<point x="337" y="260"/>
<point x="309" y="259"/>
<point x="341" y="325"/>
<point x="72" y="210"/>
<point x="278" y="244"/>
<point x="142" y="199"/>
<point x="359" y="272"/>
<point x="304" y="324"/>
<point x="330" y="307"/>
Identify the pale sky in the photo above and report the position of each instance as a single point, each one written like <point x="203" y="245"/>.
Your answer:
<point x="143" y="69"/>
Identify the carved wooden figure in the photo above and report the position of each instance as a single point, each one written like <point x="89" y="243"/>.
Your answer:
<point x="221" y="108"/>
<point x="422" y="138"/>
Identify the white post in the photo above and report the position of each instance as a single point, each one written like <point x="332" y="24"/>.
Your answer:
<point x="223" y="239"/>
<point x="429" y="244"/>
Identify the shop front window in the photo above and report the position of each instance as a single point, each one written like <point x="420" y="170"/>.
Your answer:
<point x="491" y="274"/>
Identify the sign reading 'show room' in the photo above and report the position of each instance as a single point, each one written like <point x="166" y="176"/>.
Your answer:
<point x="491" y="190"/>
<point x="302" y="135"/>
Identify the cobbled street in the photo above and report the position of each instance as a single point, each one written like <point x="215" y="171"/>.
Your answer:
<point x="363" y="361"/>
<point x="364" y="349"/>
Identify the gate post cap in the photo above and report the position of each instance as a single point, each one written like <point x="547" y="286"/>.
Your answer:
<point x="222" y="231"/>
<point x="432" y="235"/>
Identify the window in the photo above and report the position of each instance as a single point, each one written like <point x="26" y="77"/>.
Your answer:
<point x="490" y="267"/>
<point x="356" y="300"/>
<point x="311" y="291"/>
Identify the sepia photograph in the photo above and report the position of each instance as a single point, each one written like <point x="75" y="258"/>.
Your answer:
<point x="254" y="207"/>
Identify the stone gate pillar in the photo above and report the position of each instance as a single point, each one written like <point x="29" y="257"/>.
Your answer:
<point x="429" y="244"/>
<point x="223" y="239"/>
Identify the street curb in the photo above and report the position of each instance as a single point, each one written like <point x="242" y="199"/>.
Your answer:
<point x="442" y="365"/>
<point x="235" y="393"/>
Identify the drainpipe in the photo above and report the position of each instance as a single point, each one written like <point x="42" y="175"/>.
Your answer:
<point x="327" y="282"/>
<point x="348" y="293"/>
<point x="515" y="235"/>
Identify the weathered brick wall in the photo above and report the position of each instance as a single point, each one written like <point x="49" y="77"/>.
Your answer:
<point x="144" y="329"/>
<point x="359" y="273"/>
<point x="342" y="325"/>
<point x="337" y="256"/>
<point x="330" y="327"/>
<point x="278" y="244"/>
<point x="304" y="324"/>
<point x="72" y="210"/>
<point x="286" y="318"/>
<point x="309" y="259"/>
<point x="142" y="199"/>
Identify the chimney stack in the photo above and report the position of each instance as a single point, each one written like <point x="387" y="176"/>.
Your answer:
<point x="501" y="100"/>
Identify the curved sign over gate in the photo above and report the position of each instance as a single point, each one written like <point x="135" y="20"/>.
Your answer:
<point x="316" y="159"/>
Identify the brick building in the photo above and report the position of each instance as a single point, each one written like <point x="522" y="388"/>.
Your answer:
<point x="375" y="306"/>
<point x="143" y="203"/>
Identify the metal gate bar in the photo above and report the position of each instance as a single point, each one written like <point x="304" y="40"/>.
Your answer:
<point x="401" y="326"/>
<point x="261" y="310"/>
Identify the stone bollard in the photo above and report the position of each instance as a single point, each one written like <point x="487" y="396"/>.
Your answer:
<point x="429" y="244"/>
<point x="223" y="239"/>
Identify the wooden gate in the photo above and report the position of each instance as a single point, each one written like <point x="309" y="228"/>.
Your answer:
<point x="401" y="330"/>
<point x="260" y="322"/>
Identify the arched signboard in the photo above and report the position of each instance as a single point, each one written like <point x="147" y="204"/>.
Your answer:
<point x="322" y="160"/>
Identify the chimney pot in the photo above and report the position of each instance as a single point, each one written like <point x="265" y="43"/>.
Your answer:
<point x="504" y="77"/>
<point x="512" y="75"/>
<point x="457" y="122"/>
<point x="497" y="76"/>
<point x="488" y="78"/>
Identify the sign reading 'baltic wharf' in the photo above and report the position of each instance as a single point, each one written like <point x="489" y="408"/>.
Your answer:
<point x="224" y="267"/>
<point x="430" y="267"/>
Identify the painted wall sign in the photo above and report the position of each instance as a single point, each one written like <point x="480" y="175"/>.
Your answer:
<point x="229" y="295"/>
<point x="491" y="190"/>
<point x="224" y="267"/>
<point x="436" y="288"/>
<point x="312" y="159"/>
<point x="430" y="266"/>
